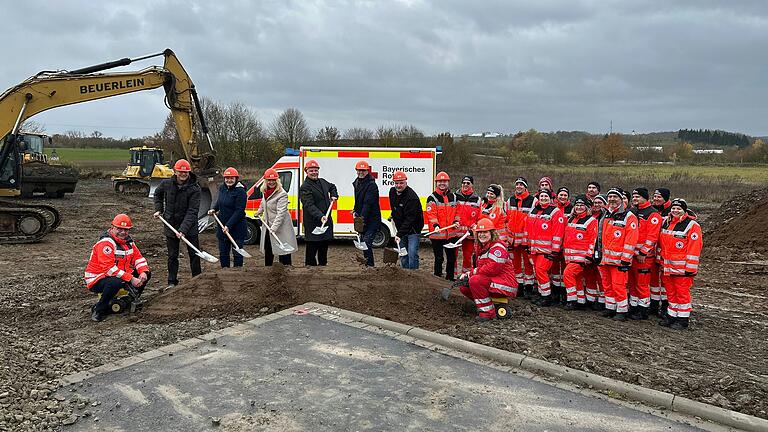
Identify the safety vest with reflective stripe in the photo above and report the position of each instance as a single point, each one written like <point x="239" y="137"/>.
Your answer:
<point x="544" y="230"/>
<point x="441" y="211"/>
<point x="467" y="211"/>
<point x="499" y="218"/>
<point x="113" y="257"/>
<point x="680" y="245"/>
<point x="579" y="239"/>
<point x="493" y="261"/>
<point x="619" y="238"/>
<point x="518" y="207"/>
<point x="649" y="225"/>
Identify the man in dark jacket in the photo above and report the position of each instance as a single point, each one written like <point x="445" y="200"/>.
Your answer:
<point x="317" y="196"/>
<point x="367" y="207"/>
<point x="230" y="207"/>
<point x="177" y="199"/>
<point x="408" y="217"/>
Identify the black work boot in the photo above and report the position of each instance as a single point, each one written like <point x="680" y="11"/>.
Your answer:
<point x="545" y="301"/>
<point x="482" y="320"/>
<point x="608" y="313"/>
<point x="95" y="315"/>
<point x="571" y="305"/>
<point x="597" y="306"/>
<point x="654" y="309"/>
<point x="663" y="309"/>
<point x="679" y="324"/>
<point x="667" y="321"/>
<point x="620" y="316"/>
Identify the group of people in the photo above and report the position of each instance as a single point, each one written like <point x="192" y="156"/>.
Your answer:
<point x="627" y="254"/>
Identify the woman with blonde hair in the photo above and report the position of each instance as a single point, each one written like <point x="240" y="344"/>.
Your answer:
<point x="493" y="208"/>
<point x="274" y="207"/>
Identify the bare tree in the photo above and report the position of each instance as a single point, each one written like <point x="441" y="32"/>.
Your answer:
<point x="31" y="126"/>
<point x="328" y="135"/>
<point x="359" y="135"/>
<point x="246" y="133"/>
<point x="290" y="128"/>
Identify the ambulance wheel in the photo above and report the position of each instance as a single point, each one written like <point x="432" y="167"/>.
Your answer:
<point x="503" y="311"/>
<point x="119" y="305"/>
<point x="382" y="237"/>
<point x="253" y="233"/>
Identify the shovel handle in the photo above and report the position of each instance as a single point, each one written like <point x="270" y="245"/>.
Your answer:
<point x="182" y="237"/>
<point x="440" y="229"/>
<point x="266" y="225"/>
<point x="229" y="236"/>
<point x="327" y="213"/>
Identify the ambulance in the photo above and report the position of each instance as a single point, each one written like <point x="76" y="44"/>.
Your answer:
<point x="337" y="165"/>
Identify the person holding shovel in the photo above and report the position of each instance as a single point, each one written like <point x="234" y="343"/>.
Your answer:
<point x="443" y="221"/>
<point x="317" y="196"/>
<point x="367" y="212"/>
<point x="230" y="207"/>
<point x="274" y="207"/>
<point x="408" y="218"/>
<point x="177" y="200"/>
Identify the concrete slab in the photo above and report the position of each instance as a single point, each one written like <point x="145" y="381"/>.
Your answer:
<point x="303" y="372"/>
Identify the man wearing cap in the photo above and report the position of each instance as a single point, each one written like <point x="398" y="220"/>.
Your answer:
<point x="661" y="202"/>
<point x="408" y="218"/>
<point x="618" y="240"/>
<point x="593" y="189"/>
<point x="649" y="226"/>
<point x="441" y="214"/>
<point x="177" y="199"/>
<point x="546" y="183"/>
<point x="115" y="264"/>
<point x="518" y="207"/>
<point x="563" y="201"/>
<point x="680" y="249"/>
<point x="367" y="212"/>
<point x="578" y="249"/>
<point x="545" y="228"/>
<point x="468" y="211"/>
<point x="592" y="280"/>
<point x="317" y="195"/>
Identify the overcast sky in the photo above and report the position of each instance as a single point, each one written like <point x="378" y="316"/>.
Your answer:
<point x="444" y="65"/>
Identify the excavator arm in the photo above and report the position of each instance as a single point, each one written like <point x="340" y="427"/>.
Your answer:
<point x="48" y="90"/>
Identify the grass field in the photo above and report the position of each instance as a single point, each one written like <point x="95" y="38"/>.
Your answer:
<point x="75" y="155"/>
<point x="749" y="174"/>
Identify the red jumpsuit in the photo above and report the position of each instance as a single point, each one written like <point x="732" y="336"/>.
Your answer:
<point x="592" y="280"/>
<point x="680" y="245"/>
<point x="658" y="293"/>
<point x="518" y="207"/>
<point x="544" y="237"/>
<point x="468" y="213"/>
<point x="558" y="265"/>
<point x="578" y="246"/>
<point x="619" y="239"/>
<point x="112" y="257"/>
<point x="649" y="225"/>
<point x="494" y="276"/>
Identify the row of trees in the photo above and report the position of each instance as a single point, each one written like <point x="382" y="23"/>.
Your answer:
<point x="714" y="137"/>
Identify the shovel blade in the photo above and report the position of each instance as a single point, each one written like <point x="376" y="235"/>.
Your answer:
<point x="360" y="245"/>
<point x="402" y="252"/>
<point x="446" y="293"/>
<point x="452" y="245"/>
<point x="208" y="257"/>
<point x="243" y="252"/>
<point x="319" y="230"/>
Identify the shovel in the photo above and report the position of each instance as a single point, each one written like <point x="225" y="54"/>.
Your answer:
<point x="322" y="228"/>
<point x="237" y="248"/>
<point x="401" y="251"/>
<point x="439" y="229"/>
<point x="457" y="243"/>
<point x="202" y="254"/>
<point x="280" y="245"/>
<point x="360" y="244"/>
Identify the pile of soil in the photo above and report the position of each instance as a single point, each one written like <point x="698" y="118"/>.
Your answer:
<point x="741" y="222"/>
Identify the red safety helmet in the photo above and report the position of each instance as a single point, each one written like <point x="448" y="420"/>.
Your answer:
<point x="362" y="165"/>
<point x="270" y="174"/>
<point x="122" y="221"/>
<point x="231" y="172"/>
<point x="399" y="176"/>
<point x="484" y="224"/>
<point x="442" y="175"/>
<point x="311" y="164"/>
<point x="182" y="165"/>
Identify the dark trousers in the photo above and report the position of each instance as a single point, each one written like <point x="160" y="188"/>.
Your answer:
<point x="269" y="256"/>
<point x="109" y="287"/>
<point x="439" y="250"/>
<point x="226" y="248"/>
<point x="172" y="243"/>
<point x="371" y="228"/>
<point x="317" y="253"/>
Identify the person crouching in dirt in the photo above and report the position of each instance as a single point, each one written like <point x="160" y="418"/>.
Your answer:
<point x="230" y="207"/>
<point x="441" y="213"/>
<point x="317" y="196"/>
<point x="367" y="212"/>
<point x="680" y="244"/>
<point x="578" y="249"/>
<point x="274" y="207"/>
<point x="177" y="199"/>
<point x="408" y="218"/>
<point x="494" y="274"/>
<point x="115" y="263"/>
<point x="545" y="227"/>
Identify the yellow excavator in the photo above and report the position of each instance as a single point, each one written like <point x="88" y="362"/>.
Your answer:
<point x="144" y="172"/>
<point x="21" y="222"/>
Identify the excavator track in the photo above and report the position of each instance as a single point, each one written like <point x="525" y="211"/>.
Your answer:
<point x="26" y="223"/>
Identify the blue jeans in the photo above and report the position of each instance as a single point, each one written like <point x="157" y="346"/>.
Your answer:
<point x="411" y="244"/>
<point x="371" y="228"/>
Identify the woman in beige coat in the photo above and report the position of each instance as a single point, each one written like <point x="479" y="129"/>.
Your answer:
<point x="274" y="207"/>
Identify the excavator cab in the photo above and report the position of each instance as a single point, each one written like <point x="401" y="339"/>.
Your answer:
<point x="145" y="170"/>
<point x="146" y="158"/>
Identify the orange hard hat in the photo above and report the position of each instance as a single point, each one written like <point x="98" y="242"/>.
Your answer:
<point x="399" y="176"/>
<point x="231" y="172"/>
<point x="484" y="224"/>
<point x="311" y="164"/>
<point x="270" y="174"/>
<point x="362" y="165"/>
<point x="442" y="175"/>
<point x="182" y="165"/>
<point x="122" y="221"/>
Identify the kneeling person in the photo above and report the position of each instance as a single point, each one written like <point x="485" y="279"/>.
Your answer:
<point x="115" y="264"/>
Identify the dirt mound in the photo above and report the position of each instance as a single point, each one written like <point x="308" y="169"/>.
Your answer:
<point x="387" y="292"/>
<point x="741" y="222"/>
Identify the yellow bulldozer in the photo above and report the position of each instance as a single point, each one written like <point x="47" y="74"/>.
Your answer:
<point x="145" y="170"/>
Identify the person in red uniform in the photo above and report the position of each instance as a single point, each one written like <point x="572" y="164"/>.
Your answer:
<point x="661" y="202"/>
<point x="517" y="208"/>
<point x="115" y="263"/>
<point x="563" y="201"/>
<point x="618" y="240"/>
<point x="649" y="225"/>
<point x="592" y="279"/>
<point x="593" y="190"/>
<point x="493" y="209"/>
<point x="544" y="237"/>
<point x="578" y="249"/>
<point x="494" y="275"/>
<point x="680" y="244"/>
<point x="468" y="210"/>
<point x="546" y="183"/>
<point x="441" y="213"/>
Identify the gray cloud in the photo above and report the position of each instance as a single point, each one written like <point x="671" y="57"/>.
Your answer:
<point x="441" y="65"/>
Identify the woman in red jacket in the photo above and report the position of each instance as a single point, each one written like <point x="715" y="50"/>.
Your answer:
<point x="578" y="247"/>
<point x="544" y="236"/>
<point x="494" y="275"/>
<point x="493" y="209"/>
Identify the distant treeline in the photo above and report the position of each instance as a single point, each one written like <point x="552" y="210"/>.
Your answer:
<point x="714" y="137"/>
